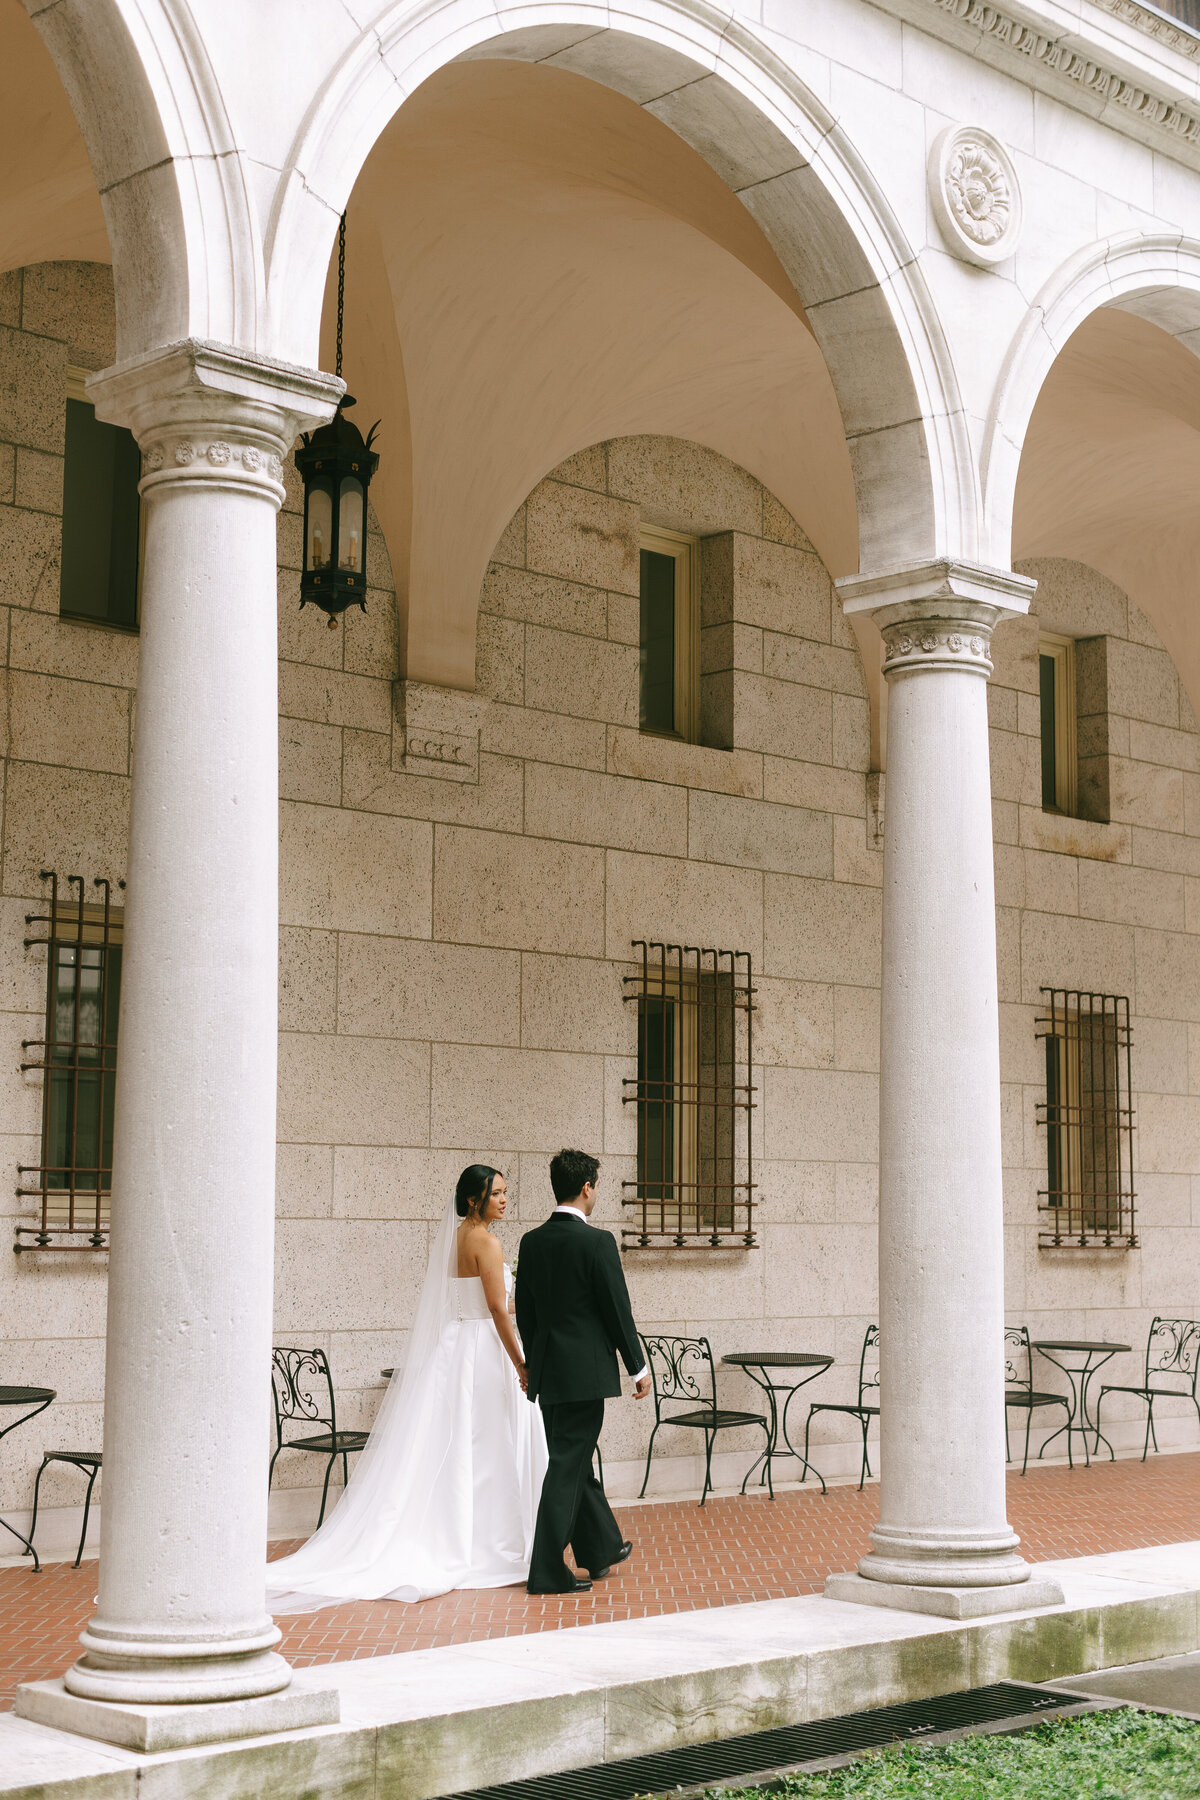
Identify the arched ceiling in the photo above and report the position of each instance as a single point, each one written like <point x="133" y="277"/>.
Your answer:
<point x="536" y="264"/>
<point x="49" y="204"/>
<point x="1110" y="472"/>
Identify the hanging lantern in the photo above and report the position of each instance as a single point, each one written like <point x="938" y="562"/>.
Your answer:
<point x="336" y="464"/>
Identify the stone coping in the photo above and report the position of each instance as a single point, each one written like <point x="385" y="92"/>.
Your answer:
<point x="432" y="1721"/>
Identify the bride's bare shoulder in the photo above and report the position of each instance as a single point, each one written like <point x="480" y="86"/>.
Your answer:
<point x="478" y="1250"/>
<point x="487" y="1249"/>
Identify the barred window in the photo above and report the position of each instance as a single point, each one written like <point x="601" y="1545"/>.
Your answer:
<point x="1088" y="1199"/>
<point x="77" y="1060"/>
<point x="694" y="1096"/>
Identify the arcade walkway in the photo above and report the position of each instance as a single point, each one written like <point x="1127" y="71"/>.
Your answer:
<point x="685" y="1560"/>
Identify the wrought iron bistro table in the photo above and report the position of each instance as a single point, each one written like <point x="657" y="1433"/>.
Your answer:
<point x="758" y="1365"/>
<point x="35" y="1400"/>
<point x="1078" y="1358"/>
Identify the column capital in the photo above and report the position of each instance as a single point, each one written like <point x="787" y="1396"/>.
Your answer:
<point x="937" y="615"/>
<point x="924" y="585"/>
<point x="210" y="413"/>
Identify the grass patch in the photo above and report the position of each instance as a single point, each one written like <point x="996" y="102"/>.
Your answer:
<point x="1120" y="1755"/>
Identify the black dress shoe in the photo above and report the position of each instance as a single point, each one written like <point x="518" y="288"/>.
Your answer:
<point x="623" y="1555"/>
<point x="578" y="1586"/>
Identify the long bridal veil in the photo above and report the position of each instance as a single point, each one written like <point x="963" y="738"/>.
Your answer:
<point x="385" y="1523"/>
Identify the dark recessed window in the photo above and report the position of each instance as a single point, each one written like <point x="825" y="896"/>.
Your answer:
<point x="669" y="638"/>
<point x="101" y="525"/>
<point x="1056" y="675"/>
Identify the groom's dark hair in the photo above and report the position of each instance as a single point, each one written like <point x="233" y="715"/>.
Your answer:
<point x="570" y="1173"/>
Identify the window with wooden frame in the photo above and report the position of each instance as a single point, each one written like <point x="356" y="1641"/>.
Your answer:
<point x="1056" y="673"/>
<point x="102" y="516"/>
<point x="77" y="1060"/>
<point x="694" y="1097"/>
<point x="669" y="668"/>
<point x="1088" y="1200"/>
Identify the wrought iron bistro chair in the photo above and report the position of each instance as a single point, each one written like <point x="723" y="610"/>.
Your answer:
<point x="1172" y="1356"/>
<point x="78" y="1459"/>
<point x="1019" y="1390"/>
<point x="303" y="1389"/>
<point x="684" y="1376"/>
<point x="865" y="1408"/>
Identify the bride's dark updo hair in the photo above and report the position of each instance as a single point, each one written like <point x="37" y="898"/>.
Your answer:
<point x="474" y="1189"/>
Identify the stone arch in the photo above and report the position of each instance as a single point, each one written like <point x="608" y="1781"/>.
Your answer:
<point x="1092" y="448"/>
<point x="1152" y="276"/>
<point x="181" y="225"/>
<point x="779" y="150"/>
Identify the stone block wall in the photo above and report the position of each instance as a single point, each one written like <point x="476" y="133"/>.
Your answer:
<point x="1110" y="906"/>
<point x="65" y="732"/>
<point x="462" y="876"/>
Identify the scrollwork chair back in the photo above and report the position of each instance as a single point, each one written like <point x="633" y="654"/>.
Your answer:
<point x="682" y="1373"/>
<point x="868" y="1368"/>
<point x="303" y="1389"/>
<point x="1173" y="1355"/>
<point x="1018" y="1363"/>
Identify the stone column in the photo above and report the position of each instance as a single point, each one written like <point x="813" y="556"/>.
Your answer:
<point x="182" y="1615"/>
<point x="943" y="1542"/>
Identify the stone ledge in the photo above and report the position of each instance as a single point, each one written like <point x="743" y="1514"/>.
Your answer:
<point x="438" y="1721"/>
<point x="1062" y="836"/>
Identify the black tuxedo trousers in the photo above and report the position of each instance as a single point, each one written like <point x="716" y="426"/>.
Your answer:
<point x="573" y="1508"/>
<point x="574" y="1318"/>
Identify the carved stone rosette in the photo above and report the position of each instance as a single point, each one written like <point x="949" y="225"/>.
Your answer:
<point x="961" y="640"/>
<point x="255" y="461"/>
<point x="975" y="194"/>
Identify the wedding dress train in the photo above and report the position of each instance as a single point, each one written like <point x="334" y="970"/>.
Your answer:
<point x="446" y="1491"/>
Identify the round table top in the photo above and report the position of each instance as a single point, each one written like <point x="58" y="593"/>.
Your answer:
<point x="22" y="1396"/>
<point x="777" y="1359"/>
<point x="1075" y="1344"/>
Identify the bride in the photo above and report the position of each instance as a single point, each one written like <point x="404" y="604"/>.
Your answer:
<point x="446" y="1491"/>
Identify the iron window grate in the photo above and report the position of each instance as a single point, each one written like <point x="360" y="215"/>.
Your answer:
<point x="1088" y="1200"/>
<point x="760" y="1752"/>
<point x="694" y="1096"/>
<point x="77" y="1060"/>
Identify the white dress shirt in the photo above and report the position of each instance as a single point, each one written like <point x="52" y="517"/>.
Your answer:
<point x="577" y="1212"/>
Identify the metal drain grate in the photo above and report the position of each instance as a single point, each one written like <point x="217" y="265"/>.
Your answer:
<point x="725" y="1759"/>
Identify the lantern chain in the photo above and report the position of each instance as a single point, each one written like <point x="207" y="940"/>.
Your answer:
<point x="341" y="288"/>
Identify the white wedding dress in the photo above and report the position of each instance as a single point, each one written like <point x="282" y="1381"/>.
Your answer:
<point x="445" y="1493"/>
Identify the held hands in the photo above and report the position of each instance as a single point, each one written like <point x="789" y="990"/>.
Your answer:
<point x="523" y="1377"/>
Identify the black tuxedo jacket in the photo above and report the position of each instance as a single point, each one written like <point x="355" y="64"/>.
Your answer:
<point x="573" y="1312"/>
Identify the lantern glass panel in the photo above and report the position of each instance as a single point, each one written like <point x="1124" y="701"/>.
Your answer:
<point x="319" y="547"/>
<point x="350" y="525"/>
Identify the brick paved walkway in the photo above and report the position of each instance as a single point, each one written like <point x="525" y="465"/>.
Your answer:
<point x="732" y="1551"/>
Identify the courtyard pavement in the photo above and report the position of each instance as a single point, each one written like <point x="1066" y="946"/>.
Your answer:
<point x="686" y="1559"/>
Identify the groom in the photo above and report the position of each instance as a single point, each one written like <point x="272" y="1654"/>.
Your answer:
<point x="573" y="1315"/>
